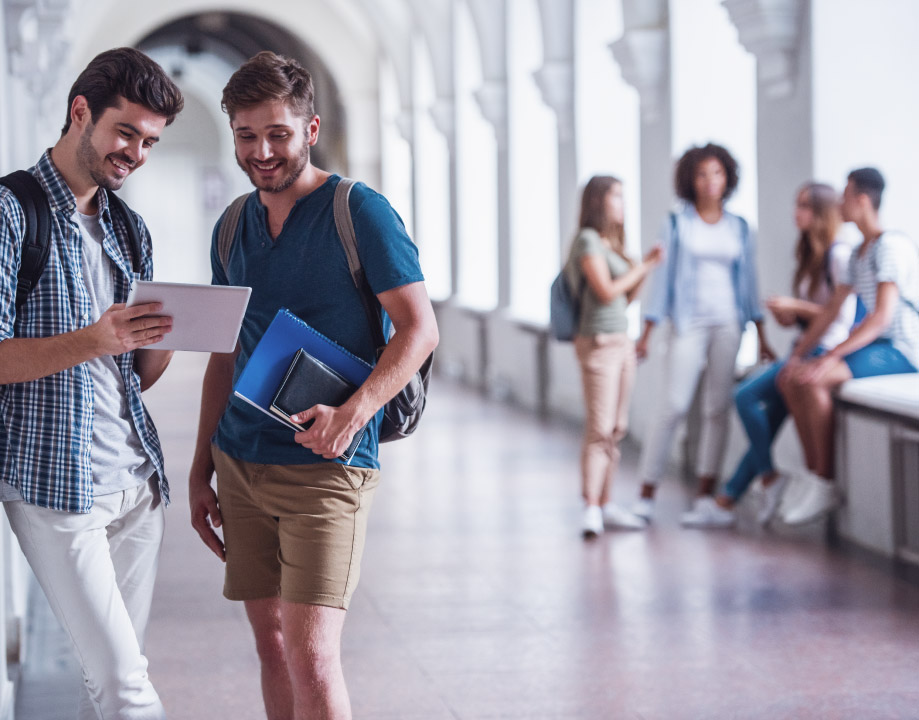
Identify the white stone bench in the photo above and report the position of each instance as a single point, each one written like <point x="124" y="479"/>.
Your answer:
<point x="877" y="464"/>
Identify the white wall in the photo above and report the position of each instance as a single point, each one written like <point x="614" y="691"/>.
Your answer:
<point x="866" y="100"/>
<point x="477" y="170"/>
<point x="533" y="155"/>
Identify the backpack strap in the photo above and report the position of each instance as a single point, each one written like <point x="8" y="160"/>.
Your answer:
<point x="36" y="241"/>
<point x="121" y="207"/>
<point x="345" y="226"/>
<point x="227" y="233"/>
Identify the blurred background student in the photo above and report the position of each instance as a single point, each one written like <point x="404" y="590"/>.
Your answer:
<point x="606" y="280"/>
<point x="707" y="289"/>
<point x="822" y="259"/>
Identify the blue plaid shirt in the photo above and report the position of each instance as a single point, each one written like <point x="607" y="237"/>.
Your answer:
<point x="46" y="425"/>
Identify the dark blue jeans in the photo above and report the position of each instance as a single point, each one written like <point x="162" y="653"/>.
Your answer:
<point x="762" y="411"/>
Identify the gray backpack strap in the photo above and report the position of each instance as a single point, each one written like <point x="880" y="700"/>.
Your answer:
<point x="345" y="228"/>
<point x="227" y="233"/>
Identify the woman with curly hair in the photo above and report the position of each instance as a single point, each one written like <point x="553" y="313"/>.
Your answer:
<point x="821" y="266"/>
<point x="707" y="289"/>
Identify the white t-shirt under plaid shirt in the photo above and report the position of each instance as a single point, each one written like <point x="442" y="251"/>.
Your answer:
<point x="893" y="257"/>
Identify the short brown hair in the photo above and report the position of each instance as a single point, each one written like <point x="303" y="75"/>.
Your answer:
<point x="125" y="73"/>
<point x="685" y="175"/>
<point x="267" y="77"/>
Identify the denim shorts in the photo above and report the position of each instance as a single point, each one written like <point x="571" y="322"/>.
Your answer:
<point x="878" y="358"/>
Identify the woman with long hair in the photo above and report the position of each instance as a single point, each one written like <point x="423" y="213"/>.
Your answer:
<point x="606" y="280"/>
<point x="821" y="263"/>
<point x="707" y="289"/>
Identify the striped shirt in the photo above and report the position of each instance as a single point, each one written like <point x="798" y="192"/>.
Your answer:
<point x="893" y="257"/>
<point x="46" y="425"/>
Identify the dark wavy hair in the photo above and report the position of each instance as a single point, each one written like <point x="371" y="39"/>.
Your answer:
<point x="685" y="175"/>
<point x="267" y="77"/>
<point x="125" y="73"/>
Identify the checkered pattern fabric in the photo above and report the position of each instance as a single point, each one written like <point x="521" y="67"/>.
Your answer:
<point x="46" y="424"/>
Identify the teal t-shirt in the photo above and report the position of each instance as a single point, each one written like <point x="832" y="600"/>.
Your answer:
<point x="597" y="317"/>
<point x="305" y="270"/>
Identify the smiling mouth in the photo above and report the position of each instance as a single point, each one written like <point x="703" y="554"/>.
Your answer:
<point x="266" y="167"/>
<point x="123" y="167"/>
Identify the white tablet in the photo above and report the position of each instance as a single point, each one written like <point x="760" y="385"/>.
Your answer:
<point x="205" y="318"/>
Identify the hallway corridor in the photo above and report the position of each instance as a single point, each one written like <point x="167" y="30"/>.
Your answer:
<point x="479" y="599"/>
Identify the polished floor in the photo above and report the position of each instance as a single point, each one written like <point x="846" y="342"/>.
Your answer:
<point x="479" y="599"/>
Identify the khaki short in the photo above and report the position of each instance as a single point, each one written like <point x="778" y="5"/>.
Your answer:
<point x="293" y="531"/>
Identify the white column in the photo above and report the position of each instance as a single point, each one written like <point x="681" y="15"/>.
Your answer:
<point x="556" y="83"/>
<point x="643" y="55"/>
<point x="493" y="101"/>
<point x="777" y="33"/>
<point x="444" y="116"/>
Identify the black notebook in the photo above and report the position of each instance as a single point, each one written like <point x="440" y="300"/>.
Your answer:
<point x="309" y="382"/>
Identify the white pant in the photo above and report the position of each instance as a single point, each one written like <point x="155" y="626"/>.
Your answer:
<point x="97" y="570"/>
<point x="714" y="350"/>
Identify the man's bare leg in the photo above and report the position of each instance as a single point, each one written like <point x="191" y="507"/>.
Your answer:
<point x="790" y="387"/>
<point x="817" y="397"/>
<point x="312" y="637"/>
<point x="265" y="618"/>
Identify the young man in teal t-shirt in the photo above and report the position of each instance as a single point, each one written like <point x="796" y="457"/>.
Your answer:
<point x="293" y="515"/>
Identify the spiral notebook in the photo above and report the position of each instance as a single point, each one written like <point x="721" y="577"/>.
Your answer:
<point x="267" y="366"/>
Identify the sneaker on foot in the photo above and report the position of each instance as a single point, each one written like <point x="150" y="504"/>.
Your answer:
<point x="706" y="513"/>
<point x="592" y="525"/>
<point x="820" y="499"/>
<point x="643" y="508"/>
<point x="772" y="498"/>
<point x="616" y="516"/>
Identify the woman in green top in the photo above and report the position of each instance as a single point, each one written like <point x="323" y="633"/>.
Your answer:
<point x="606" y="280"/>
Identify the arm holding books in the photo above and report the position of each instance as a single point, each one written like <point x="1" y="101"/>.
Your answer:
<point x="416" y="336"/>
<point x="202" y="499"/>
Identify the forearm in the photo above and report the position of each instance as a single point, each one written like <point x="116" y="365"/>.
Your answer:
<point x="633" y="293"/>
<point x="150" y="365"/>
<point x="863" y="334"/>
<point x="623" y="284"/>
<point x="807" y="311"/>
<point x="25" y="359"/>
<point x="404" y="354"/>
<point x="215" y="394"/>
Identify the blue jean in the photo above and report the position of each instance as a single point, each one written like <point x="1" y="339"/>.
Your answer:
<point x="762" y="411"/>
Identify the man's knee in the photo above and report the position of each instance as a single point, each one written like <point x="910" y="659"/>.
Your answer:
<point x="314" y="663"/>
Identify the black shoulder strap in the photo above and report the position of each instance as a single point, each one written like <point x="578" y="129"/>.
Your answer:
<point x="36" y="241"/>
<point x="121" y="207"/>
<point x="345" y="226"/>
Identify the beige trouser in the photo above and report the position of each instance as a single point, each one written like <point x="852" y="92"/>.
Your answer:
<point x="607" y="372"/>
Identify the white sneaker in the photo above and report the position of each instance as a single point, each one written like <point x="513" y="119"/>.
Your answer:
<point x="592" y="524"/>
<point x="772" y="498"/>
<point x="706" y="513"/>
<point x="819" y="499"/>
<point x="616" y="516"/>
<point x="643" y="508"/>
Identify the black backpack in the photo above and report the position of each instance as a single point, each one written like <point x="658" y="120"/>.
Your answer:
<point x="36" y="241"/>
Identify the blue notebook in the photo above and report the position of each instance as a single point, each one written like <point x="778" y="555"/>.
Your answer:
<point x="259" y="380"/>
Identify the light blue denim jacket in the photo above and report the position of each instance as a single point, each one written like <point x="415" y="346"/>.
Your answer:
<point x="674" y="282"/>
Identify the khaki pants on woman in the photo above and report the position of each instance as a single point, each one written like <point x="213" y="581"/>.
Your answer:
<point x="607" y="372"/>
